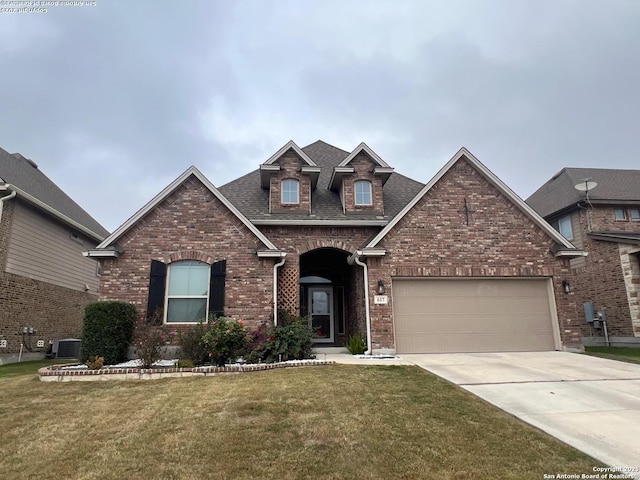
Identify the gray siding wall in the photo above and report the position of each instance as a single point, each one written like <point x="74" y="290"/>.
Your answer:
<point x="43" y="249"/>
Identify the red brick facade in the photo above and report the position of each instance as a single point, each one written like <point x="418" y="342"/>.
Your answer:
<point x="600" y="277"/>
<point x="433" y="239"/>
<point x="192" y="224"/>
<point x="290" y="165"/>
<point x="363" y="170"/>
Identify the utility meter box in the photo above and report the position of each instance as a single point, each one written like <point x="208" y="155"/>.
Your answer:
<point x="588" y="312"/>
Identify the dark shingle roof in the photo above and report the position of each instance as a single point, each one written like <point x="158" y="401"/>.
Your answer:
<point x="245" y="192"/>
<point x="559" y="192"/>
<point x="24" y="174"/>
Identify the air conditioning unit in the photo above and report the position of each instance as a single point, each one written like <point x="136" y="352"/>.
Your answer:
<point x="66" y="348"/>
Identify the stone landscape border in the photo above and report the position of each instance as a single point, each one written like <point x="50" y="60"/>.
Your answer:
<point x="57" y="373"/>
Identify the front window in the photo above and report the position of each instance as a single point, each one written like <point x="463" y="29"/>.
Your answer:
<point x="620" y="214"/>
<point x="635" y="213"/>
<point x="187" y="292"/>
<point x="564" y="227"/>
<point x="363" y="192"/>
<point x="290" y="191"/>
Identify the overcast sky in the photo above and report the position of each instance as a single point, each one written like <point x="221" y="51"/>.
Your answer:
<point x="114" y="101"/>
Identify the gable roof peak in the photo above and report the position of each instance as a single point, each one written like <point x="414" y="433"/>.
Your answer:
<point x="168" y="190"/>
<point x="290" y="145"/>
<point x="363" y="147"/>
<point x="493" y="180"/>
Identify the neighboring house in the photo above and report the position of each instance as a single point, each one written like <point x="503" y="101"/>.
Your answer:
<point x="45" y="282"/>
<point x="606" y="225"/>
<point x="460" y="264"/>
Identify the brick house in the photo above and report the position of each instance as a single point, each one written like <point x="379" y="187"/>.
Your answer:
<point x="605" y="224"/>
<point x="45" y="282"/>
<point x="457" y="264"/>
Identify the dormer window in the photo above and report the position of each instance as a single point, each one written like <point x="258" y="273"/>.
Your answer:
<point x="290" y="191"/>
<point x="363" y="192"/>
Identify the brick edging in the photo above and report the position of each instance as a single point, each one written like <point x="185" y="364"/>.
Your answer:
<point x="55" y="373"/>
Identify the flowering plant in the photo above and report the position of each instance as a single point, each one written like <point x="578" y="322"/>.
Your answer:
<point x="224" y="340"/>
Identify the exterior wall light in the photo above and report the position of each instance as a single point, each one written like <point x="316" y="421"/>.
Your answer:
<point x="566" y="287"/>
<point x="380" y="287"/>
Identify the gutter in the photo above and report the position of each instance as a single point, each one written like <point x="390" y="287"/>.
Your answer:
<point x="355" y="258"/>
<point x="276" y="266"/>
<point x="4" y="199"/>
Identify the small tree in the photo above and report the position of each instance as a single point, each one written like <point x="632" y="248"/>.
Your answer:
<point x="107" y="331"/>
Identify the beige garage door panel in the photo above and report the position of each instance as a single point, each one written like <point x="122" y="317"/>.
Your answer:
<point x="472" y="315"/>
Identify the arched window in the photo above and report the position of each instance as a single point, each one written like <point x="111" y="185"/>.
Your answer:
<point x="362" y="192"/>
<point x="187" y="292"/>
<point x="290" y="191"/>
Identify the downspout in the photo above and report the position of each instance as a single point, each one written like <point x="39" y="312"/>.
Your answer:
<point x="367" y="316"/>
<point x="275" y="288"/>
<point x="4" y="199"/>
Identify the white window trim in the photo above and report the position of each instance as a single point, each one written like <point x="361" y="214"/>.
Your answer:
<point x="297" y="183"/>
<point x="355" y="193"/>
<point x="631" y="217"/>
<point x="624" y="214"/>
<point x="568" y="219"/>
<point x="166" y="294"/>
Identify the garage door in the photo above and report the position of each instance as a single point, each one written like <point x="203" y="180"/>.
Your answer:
<point x="472" y="315"/>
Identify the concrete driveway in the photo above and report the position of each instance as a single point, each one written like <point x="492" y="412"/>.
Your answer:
<point x="590" y="403"/>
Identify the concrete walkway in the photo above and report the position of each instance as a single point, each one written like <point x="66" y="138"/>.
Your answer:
<point x="590" y="403"/>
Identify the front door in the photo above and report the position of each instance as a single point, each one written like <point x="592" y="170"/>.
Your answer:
<point x="321" y="318"/>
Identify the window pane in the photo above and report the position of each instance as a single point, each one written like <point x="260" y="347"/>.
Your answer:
<point x="188" y="278"/>
<point x="290" y="191"/>
<point x="186" y="310"/>
<point x="620" y="214"/>
<point x="635" y="213"/>
<point x="564" y="227"/>
<point x="363" y="193"/>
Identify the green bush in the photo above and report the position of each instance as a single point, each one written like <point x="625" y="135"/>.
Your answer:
<point x="292" y="339"/>
<point x="356" y="345"/>
<point x="107" y="331"/>
<point x="192" y="346"/>
<point x="225" y="340"/>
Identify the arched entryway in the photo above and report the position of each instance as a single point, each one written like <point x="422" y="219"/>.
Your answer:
<point x="331" y="295"/>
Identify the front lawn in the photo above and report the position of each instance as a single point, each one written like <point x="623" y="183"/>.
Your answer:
<point x="332" y="422"/>
<point x="22" y="368"/>
<point x="623" y="354"/>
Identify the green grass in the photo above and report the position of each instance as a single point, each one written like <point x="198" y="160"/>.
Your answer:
<point x="623" y="354"/>
<point x="24" y="368"/>
<point x="333" y="422"/>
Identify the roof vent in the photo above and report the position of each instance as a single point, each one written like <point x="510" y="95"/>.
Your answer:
<point x="28" y="160"/>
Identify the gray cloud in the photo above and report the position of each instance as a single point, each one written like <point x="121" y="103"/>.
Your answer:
<point x="114" y="101"/>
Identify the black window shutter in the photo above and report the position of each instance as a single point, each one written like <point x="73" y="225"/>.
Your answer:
<point x="216" y="288"/>
<point x="157" y="281"/>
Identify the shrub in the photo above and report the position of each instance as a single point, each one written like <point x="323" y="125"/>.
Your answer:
<point x="356" y="345"/>
<point x="185" y="363"/>
<point x="150" y="341"/>
<point x="95" y="363"/>
<point x="107" y="331"/>
<point x="192" y="345"/>
<point x="225" y="340"/>
<point x="290" y="340"/>
<point x="294" y="339"/>
<point x="260" y="344"/>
